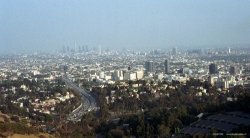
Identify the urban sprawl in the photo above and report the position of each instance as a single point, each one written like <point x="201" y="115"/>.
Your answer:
<point x="64" y="86"/>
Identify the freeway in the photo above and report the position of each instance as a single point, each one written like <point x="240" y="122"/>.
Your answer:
<point x="88" y="102"/>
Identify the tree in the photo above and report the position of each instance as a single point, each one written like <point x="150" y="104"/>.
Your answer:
<point x="141" y="125"/>
<point x="48" y="118"/>
<point x="116" y="133"/>
<point x="163" y="131"/>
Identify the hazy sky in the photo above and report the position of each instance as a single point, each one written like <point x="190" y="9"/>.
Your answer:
<point x="40" y="25"/>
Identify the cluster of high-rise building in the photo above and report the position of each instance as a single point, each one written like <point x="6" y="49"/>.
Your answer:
<point x="111" y="66"/>
<point x="224" y="79"/>
<point x="150" y="67"/>
<point x="75" y="49"/>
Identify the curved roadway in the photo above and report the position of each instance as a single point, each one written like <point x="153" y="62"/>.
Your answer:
<point x="88" y="102"/>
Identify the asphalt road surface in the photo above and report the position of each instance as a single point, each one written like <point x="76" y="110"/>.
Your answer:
<point x="88" y="102"/>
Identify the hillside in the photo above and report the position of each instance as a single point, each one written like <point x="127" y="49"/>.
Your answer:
<point x="15" y="127"/>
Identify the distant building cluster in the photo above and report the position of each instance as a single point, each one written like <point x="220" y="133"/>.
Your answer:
<point x="221" y="68"/>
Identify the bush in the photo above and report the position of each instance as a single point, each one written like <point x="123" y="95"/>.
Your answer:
<point x="17" y="128"/>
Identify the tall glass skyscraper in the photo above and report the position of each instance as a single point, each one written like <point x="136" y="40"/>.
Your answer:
<point x="149" y="66"/>
<point x="166" y="66"/>
<point x="213" y="69"/>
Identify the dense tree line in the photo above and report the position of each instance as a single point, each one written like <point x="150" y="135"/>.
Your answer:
<point x="148" y="116"/>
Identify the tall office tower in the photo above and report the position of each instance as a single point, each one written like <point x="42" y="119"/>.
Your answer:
<point x="229" y="50"/>
<point x="79" y="49"/>
<point x="99" y="49"/>
<point x="64" y="49"/>
<point x="118" y="75"/>
<point x="86" y="48"/>
<point x="83" y="49"/>
<point x="232" y="70"/>
<point x="174" y="51"/>
<point x="166" y="66"/>
<point x="149" y="65"/>
<point x="213" y="69"/>
<point x="68" y="49"/>
<point x="211" y="80"/>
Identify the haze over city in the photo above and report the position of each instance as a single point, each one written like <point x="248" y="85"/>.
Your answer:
<point x="124" y="68"/>
<point x="47" y="26"/>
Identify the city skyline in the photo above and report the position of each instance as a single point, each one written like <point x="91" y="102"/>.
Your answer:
<point x="134" y="68"/>
<point x="99" y="89"/>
